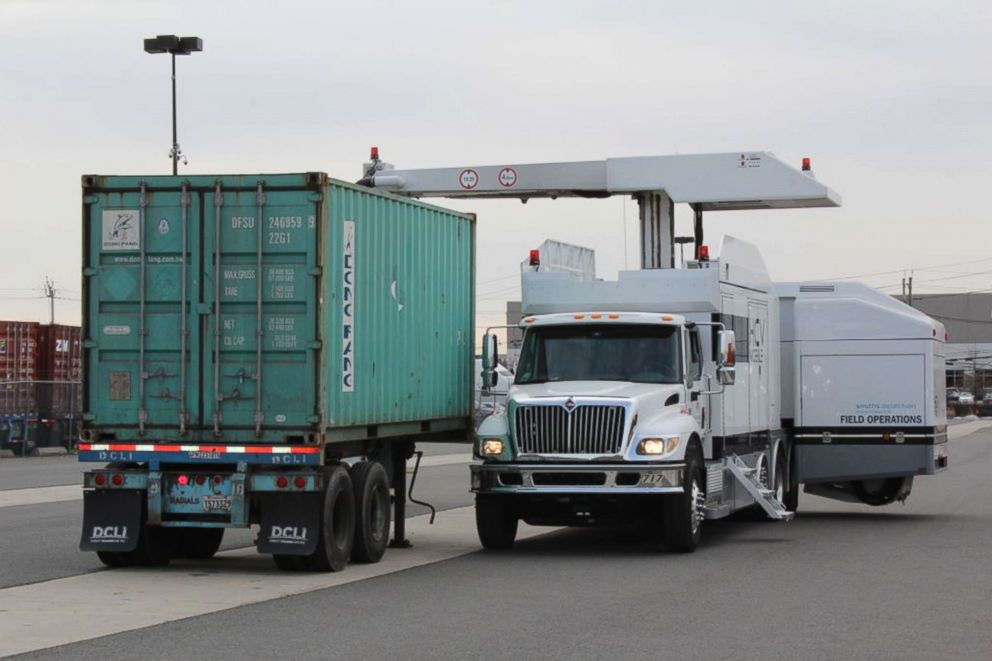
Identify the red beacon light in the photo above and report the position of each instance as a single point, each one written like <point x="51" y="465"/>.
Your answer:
<point x="535" y="257"/>
<point x="374" y="154"/>
<point x="807" y="164"/>
<point x="704" y="253"/>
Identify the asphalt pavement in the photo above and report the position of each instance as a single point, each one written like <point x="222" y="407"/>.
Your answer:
<point x="841" y="581"/>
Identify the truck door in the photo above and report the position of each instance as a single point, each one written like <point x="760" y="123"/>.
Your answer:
<point x="694" y="374"/>
<point x="758" y="367"/>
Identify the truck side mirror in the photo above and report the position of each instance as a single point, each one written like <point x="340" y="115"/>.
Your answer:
<point x="726" y="357"/>
<point x="490" y="358"/>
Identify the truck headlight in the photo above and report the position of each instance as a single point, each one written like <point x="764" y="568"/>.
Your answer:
<point x="491" y="447"/>
<point x="660" y="445"/>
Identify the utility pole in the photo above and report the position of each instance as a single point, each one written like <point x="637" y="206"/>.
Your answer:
<point x="50" y="294"/>
<point x="904" y="286"/>
<point x="910" y="301"/>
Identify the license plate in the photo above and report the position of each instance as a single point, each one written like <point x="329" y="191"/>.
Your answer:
<point x="652" y="479"/>
<point x="217" y="504"/>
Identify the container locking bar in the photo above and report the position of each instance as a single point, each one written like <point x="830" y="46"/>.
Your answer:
<point x="218" y="204"/>
<point x="184" y="325"/>
<point x="142" y="330"/>
<point x="259" y="331"/>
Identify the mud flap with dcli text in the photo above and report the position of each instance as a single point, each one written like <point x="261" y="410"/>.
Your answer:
<point x="111" y="520"/>
<point x="290" y="523"/>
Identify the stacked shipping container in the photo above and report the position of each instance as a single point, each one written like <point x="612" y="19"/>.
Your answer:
<point x="40" y="370"/>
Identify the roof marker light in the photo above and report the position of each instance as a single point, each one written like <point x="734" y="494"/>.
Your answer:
<point x="667" y="317"/>
<point x="613" y="316"/>
<point x="596" y="316"/>
<point x="530" y="321"/>
<point x="580" y="316"/>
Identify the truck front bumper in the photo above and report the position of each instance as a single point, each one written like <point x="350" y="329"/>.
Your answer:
<point x="586" y="478"/>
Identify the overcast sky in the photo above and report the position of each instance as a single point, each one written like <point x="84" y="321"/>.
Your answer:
<point x="891" y="100"/>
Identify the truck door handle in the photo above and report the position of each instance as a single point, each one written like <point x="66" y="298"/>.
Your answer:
<point x="694" y="396"/>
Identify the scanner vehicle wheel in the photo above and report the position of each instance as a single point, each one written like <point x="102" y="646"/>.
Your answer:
<point x="683" y="513"/>
<point x="337" y="523"/>
<point x="113" y="558"/>
<point x="372" y="512"/>
<point x="496" y="521"/>
<point x="290" y="562"/>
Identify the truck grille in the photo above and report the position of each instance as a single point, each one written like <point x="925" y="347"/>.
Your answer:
<point x="586" y="429"/>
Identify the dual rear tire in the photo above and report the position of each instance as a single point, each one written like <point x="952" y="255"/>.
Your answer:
<point x="354" y="523"/>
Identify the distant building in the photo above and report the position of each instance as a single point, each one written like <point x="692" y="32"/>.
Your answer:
<point x="968" y="320"/>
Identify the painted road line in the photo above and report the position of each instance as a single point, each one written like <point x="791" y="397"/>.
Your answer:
<point x="39" y="495"/>
<point x="36" y="495"/>
<point x="68" y="610"/>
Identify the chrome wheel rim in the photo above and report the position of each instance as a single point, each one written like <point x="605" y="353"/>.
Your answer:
<point x="698" y="502"/>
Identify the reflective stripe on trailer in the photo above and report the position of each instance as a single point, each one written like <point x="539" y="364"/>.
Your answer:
<point x="221" y="449"/>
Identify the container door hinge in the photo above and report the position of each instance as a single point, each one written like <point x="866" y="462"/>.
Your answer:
<point x="88" y="417"/>
<point x="89" y="344"/>
<point x="315" y="197"/>
<point x="89" y="271"/>
<point x="316" y="270"/>
<point x="315" y="344"/>
<point x="313" y="419"/>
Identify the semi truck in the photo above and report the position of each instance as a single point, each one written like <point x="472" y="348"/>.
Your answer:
<point x="672" y="396"/>
<point x="265" y="350"/>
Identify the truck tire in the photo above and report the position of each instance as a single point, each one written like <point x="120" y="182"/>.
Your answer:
<point x="372" y="511"/>
<point x="778" y="485"/>
<point x="290" y="562"/>
<point x="496" y="521"/>
<point x="157" y="546"/>
<point x="337" y="523"/>
<point x="879" y="492"/>
<point x="791" y="501"/>
<point x="200" y="543"/>
<point x="113" y="558"/>
<point x="682" y="512"/>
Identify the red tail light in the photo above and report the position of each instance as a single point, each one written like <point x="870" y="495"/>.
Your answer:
<point x="300" y="482"/>
<point x="100" y="479"/>
<point x="282" y="482"/>
<point x="218" y="479"/>
<point x="182" y="480"/>
<point x="200" y="479"/>
<point x="117" y="479"/>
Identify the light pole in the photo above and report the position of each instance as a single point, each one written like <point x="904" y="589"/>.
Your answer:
<point x="170" y="43"/>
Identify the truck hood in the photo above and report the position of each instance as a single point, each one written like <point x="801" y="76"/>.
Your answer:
<point x="648" y="398"/>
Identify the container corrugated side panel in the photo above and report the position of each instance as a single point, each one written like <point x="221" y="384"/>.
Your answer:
<point x="19" y="363"/>
<point x="413" y="317"/>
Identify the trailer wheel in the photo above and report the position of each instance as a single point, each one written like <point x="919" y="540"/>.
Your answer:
<point x="683" y="513"/>
<point x="496" y="521"/>
<point x="114" y="559"/>
<point x="157" y="546"/>
<point x="200" y="543"/>
<point x="290" y="562"/>
<point x="337" y="524"/>
<point x="372" y="511"/>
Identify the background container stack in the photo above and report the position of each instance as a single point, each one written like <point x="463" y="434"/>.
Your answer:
<point x="39" y="384"/>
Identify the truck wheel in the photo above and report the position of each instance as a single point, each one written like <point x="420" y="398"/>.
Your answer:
<point x="791" y="500"/>
<point x="290" y="562"/>
<point x="372" y="515"/>
<point x="496" y="521"/>
<point x="683" y="512"/>
<point x="156" y="547"/>
<point x="778" y="485"/>
<point x="113" y="558"/>
<point x="337" y="525"/>
<point x="200" y="543"/>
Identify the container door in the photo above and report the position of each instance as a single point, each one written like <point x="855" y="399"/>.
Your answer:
<point x="142" y="282"/>
<point x="261" y="254"/>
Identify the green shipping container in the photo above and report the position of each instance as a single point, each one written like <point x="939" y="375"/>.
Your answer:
<point x="286" y="308"/>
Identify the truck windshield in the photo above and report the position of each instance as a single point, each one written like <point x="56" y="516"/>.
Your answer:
<point x="641" y="353"/>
